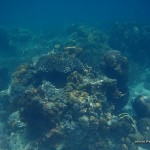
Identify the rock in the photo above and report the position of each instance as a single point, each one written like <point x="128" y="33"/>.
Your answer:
<point x="141" y="106"/>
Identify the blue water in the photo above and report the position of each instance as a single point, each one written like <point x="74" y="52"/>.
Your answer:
<point x="42" y="13"/>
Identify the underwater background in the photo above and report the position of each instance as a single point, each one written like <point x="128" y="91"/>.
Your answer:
<point x="74" y="75"/>
<point x="37" y="13"/>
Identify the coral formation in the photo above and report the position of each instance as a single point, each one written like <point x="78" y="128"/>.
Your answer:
<point x="73" y="96"/>
<point x="116" y="67"/>
<point x="133" y="39"/>
<point x="58" y="62"/>
<point x="66" y="117"/>
<point x="125" y="125"/>
<point x="141" y="105"/>
<point x="55" y="67"/>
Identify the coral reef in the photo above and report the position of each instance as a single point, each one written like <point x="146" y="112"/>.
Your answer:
<point x="116" y="67"/>
<point x="124" y="125"/>
<point x="73" y="93"/>
<point x="55" y="67"/>
<point x="58" y="62"/>
<point x="141" y="105"/>
<point x="66" y="117"/>
<point x="143" y="127"/>
<point x="132" y="39"/>
<point x="90" y="43"/>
